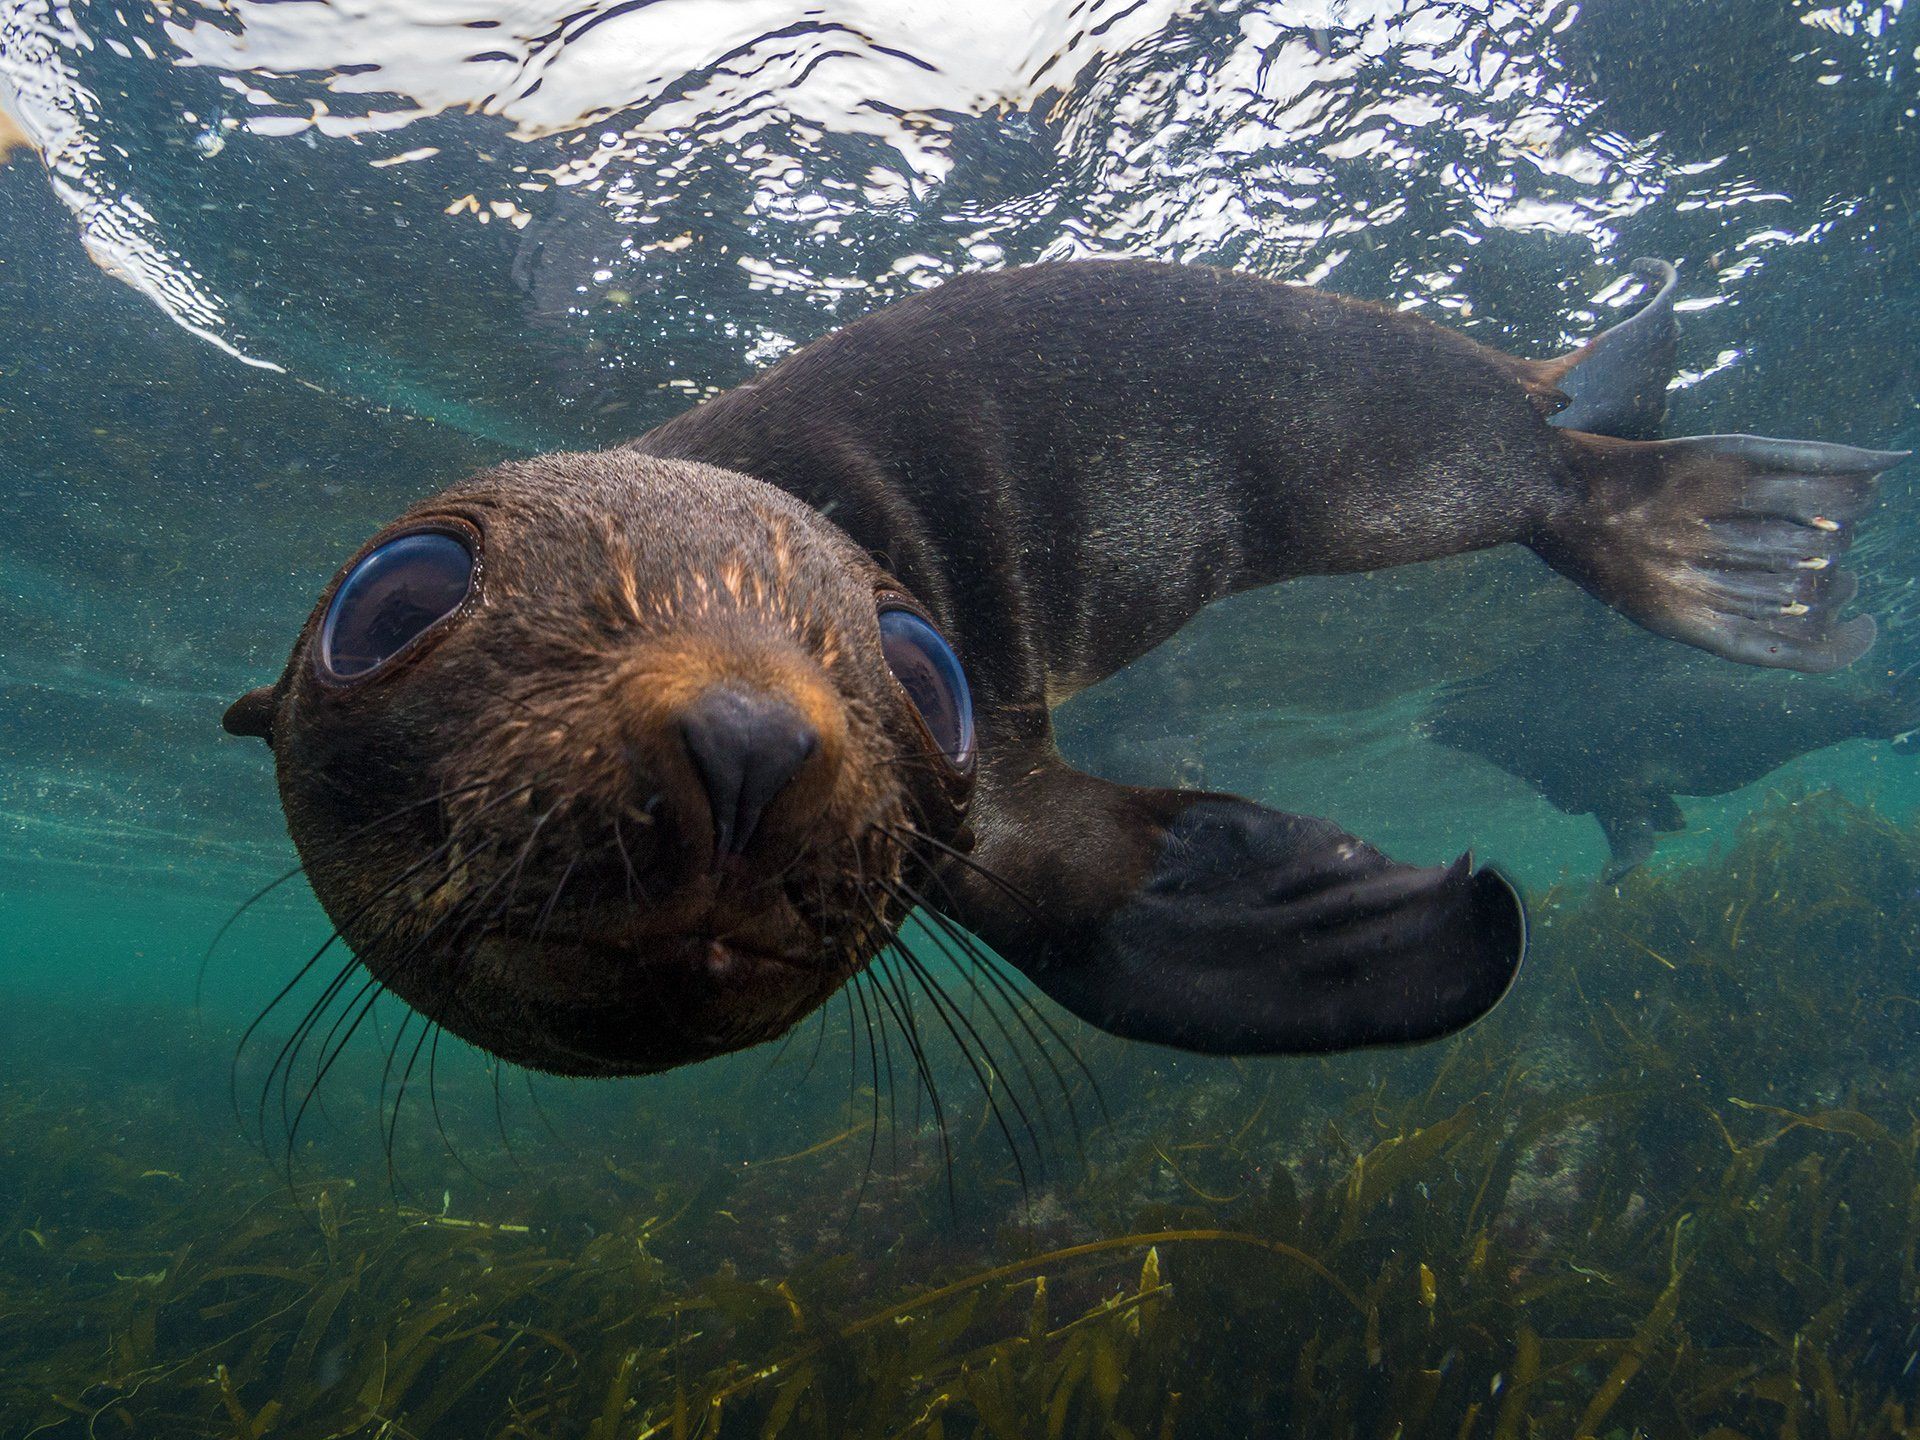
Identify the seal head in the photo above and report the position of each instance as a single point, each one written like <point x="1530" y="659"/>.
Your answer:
<point x="604" y="790"/>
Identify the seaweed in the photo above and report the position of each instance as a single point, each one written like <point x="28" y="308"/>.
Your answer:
<point x="1672" y="1188"/>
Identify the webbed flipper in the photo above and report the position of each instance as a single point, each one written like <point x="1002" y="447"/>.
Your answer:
<point x="1213" y="924"/>
<point x="1616" y="384"/>
<point x="1633" y="824"/>
<point x="1728" y="542"/>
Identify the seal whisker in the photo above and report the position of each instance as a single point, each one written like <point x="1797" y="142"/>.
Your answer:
<point x="281" y="1072"/>
<point x="286" y="990"/>
<point x="297" y="1042"/>
<point x="819" y="1043"/>
<point x="533" y="1099"/>
<point x="1019" y="1002"/>
<point x="400" y="1094"/>
<point x="853" y="1049"/>
<point x="948" y="1013"/>
<point x="321" y="1071"/>
<point x="328" y="1052"/>
<point x="433" y="1103"/>
<point x="430" y="1032"/>
<point x="901" y="1004"/>
<point x="982" y="956"/>
<point x="519" y="864"/>
<point x="992" y="877"/>
<point x="494" y="1066"/>
<point x="954" y="954"/>
<point x="338" y="842"/>
<point x="629" y="877"/>
<point x="886" y="1045"/>
<point x="289" y="1052"/>
<point x="386" y="1071"/>
<point x="873" y="1064"/>
<point x="471" y="921"/>
<point x="553" y="901"/>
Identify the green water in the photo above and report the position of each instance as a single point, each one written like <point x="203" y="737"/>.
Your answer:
<point x="1670" y="1188"/>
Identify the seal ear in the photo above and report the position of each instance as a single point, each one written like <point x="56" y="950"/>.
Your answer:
<point x="251" y="714"/>
<point x="1214" y="924"/>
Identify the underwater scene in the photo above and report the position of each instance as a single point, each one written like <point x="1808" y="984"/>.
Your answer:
<point x="768" y="908"/>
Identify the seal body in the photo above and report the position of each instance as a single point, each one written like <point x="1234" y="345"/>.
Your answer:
<point x="1617" y="726"/>
<point x="696" y="721"/>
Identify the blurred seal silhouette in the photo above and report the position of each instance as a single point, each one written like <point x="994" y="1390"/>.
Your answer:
<point x="610" y="762"/>
<point x="1613" y="724"/>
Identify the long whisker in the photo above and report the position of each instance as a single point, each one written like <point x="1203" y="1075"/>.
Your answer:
<point x="873" y="1064"/>
<point x="819" y="1043"/>
<point x="432" y="857"/>
<point x="393" y="1051"/>
<point x="494" y="1066"/>
<point x="400" y="1093"/>
<point x="293" y="1129"/>
<point x="337" y="842"/>
<point x="433" y="1103"/>
<point x="948" y="1013"/>
<point x="297" y="1042"/>
<point x="327" y="1043"/>
<point x="996" y="971"/>
<point x="290" y="1050"/>
<point x="957" y="960"/>
<point x="878" y="925"/>
<point x="533" y="1099"/>
<point x="853" y="1049"/>
<point x="893" y="1114"/>
<point x="282" y="1069"/>
<point x="454" y="974"/>
<point x="985" y="964"/>
<point x="901" y="1006"/>
<point x="951" y="1013"/>
<point x="960" y="857"/>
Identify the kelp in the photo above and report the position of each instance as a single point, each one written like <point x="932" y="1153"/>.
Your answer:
<point x="1671" y="1188"/>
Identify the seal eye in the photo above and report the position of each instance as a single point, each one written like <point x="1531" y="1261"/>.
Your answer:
<point x="390" y="598"/>
<point x="930" y="673"/>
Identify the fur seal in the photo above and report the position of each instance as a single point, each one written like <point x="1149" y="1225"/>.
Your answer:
<point x="608" y="762"/>
<point x="1616" y="725"/>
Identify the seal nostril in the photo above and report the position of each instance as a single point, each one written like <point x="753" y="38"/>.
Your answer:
<point x="745" y="747"/>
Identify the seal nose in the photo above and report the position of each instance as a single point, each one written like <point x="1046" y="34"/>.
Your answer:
<point x="746" y="746"/>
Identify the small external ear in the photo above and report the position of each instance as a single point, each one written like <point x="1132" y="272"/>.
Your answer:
<point x="251" y="714"/>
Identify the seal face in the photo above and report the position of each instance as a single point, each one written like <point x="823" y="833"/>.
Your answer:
<point x="606" y="791"/>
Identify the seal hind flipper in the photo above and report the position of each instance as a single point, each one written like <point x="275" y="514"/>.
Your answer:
<point x="1633" y="825"/>
<point x="1616" y="384"/>
<point x="1213" y="924"/>
<point x="1727" y="542"/>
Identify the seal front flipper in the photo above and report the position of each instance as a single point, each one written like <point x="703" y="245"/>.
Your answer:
<point x="1213" y="924"/>
<point x="1728" y="542"/>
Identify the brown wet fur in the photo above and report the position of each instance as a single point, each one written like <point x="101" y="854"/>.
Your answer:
<point x="577" y="920"/>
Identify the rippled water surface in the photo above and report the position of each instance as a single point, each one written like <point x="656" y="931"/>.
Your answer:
<point x="270" y="271"/>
